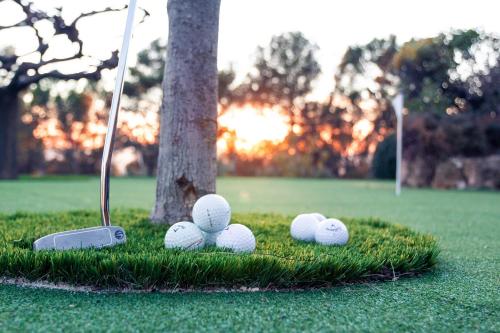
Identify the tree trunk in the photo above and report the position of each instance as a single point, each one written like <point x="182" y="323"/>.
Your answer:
<point x="9" y="117"/>
<point x="187" y="161"/>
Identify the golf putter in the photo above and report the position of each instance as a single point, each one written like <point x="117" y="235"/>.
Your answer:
<point x="105" y="235"/>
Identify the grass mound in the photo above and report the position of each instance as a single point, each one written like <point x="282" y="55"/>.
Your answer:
<point x="376" y="250"/>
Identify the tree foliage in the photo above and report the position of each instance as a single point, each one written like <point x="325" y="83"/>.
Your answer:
<point x="283" y="71"/>
<point x="452" y="72"/>
<point x="148" y="71"/>
<point x="384" y="159"/>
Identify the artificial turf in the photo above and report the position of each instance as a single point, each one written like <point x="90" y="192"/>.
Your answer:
<point x="376" y="250"/>
<point x="459" y="295"/>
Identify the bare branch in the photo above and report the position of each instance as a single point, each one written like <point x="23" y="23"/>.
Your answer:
<point x="24" y="67"/>
<point x="145" y="14"/>
<point x="32" y="17"/>
<point x="18" y="24"/>
<point x="27" y="73"/>
<point x="94" y="75"/>
<point x="24" y="80"/>
<point x="106" y="10"/>
<point x="95" y="12"/>
<point x="8" y="61"/>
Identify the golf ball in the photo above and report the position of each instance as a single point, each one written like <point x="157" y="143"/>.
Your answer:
<point x="184" y="235"/>
<point x="210" y="237"/>
<point x="237" y="238"/>
<point x="319" y="217"/>
<point x="303" y="227"/>
<point x="211" y="213"/>
<point x="331" y="232"/>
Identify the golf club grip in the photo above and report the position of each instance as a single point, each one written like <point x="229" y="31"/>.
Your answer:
<point x="113" y="115"/>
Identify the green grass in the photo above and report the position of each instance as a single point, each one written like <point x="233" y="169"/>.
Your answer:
<point x="459" y="295"/>
<point x="376" y="250"/>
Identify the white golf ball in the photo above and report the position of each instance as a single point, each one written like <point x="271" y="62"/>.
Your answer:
<point x="211" y="213"/>
<point x="210" y="237"/>
<point x="303" y="227"/>
<point x="237" y="238"/>
<point x="331" y="232"/>
<point x="319" y="217"/>
<point x="184" y="235"/>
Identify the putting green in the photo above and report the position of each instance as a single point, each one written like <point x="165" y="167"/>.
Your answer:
<point x="376" y="250"/>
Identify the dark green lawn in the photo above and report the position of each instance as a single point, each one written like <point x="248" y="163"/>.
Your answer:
<point x="461" y="294"/>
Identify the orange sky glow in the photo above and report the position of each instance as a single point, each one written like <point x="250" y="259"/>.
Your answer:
<point x="249" y="130"/>
<point x="252" y="126"/>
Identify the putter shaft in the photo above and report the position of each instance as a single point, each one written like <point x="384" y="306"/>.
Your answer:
<point x="107" y="235"/>
<point x="113" y="116"/>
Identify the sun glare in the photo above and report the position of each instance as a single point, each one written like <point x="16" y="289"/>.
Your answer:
<point x="362" y="129"/>
<point x="252" y="127"/>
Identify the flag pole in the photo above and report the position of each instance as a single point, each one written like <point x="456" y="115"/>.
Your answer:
<point x="397" y="104"/>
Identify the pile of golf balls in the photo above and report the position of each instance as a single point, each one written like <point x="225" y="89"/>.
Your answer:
<point x="211" y="217"/>
<point x="314" y="227"/>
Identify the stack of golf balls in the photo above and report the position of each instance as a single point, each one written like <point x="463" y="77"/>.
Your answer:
<point x="314" y="227"/>
<point x="211" y="217"/>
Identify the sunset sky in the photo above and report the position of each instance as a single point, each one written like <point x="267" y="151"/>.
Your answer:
<point x="332" y="25"/>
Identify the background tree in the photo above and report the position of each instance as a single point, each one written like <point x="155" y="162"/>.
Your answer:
<point x="18" y="72"/>
<point x="440" y="74"/>
<point x="283" y="72"/>
<point x="450" y="82"/>
<point x="366" y="73"/>
<point x="366" y="70"/>
<point x="59" y="130"/>
<point x="187" y="164"/>
<point x="384" y="159"/>
<point x="144" y="90"/>
<point x="147" y="74"/>
<point x="75" y="107"/>
<point x="488" y="102"/>
<point x="225" y="90"/>
<point x="30" y="157"/>
<point x="443" y="73"/>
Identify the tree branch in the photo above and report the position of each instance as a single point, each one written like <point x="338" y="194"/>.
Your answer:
<point x="95" y="12"/>
<point x="18" y="24"/>
<point x="7" y="62"/>
<point x="22" y="73"/>
<point x="32" y="65"/>
<point x="25" y="80"/>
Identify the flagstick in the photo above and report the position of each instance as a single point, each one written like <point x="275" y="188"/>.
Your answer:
<point x="399" y="153"/>
<point x="398" y="103"/>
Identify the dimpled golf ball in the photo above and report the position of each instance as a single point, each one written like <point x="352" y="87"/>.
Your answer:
<point x="211" y="213"/>
<point x="303" y="227"/>
<point x="184" y="235"/>
<point x="210" y="237"/>
<point x="331" y="232"/>
<point x="237" y="238"/>
<point x="319" y="217"/>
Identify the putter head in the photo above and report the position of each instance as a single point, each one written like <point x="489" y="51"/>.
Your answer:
<point x="96" y="237"/>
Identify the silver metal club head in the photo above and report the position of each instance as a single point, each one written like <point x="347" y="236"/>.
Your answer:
<point x="96" y="237"/>
<point x="106" y="235"/>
